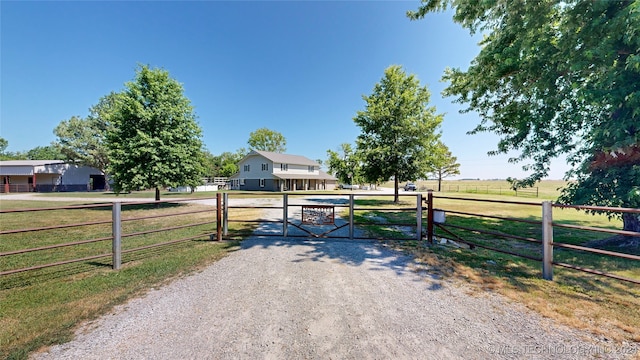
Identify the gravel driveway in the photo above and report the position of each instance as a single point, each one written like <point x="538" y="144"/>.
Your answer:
<point x="278" y="298"/>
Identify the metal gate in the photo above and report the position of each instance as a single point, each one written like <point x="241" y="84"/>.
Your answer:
<point x="320" y="215"/>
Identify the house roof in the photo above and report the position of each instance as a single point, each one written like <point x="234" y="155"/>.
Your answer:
<point x="29" y="167"/>
<point x="30" y="162"/>
<point x="322" y="176"/>
<point x="285" y="158"/>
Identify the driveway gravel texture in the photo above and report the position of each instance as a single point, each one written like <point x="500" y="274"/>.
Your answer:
<point x="304" y="298"/>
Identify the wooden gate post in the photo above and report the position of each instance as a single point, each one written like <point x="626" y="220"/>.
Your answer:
<point x="218" y="216"/>
<point x="351" y="227"/>
<point x="225" y="214"/>
<point x="430" y="216"/>
<point x="285" y="214"/>
<point x="419" y="217"/>
<point x="116" y="233"/>
<point x="547" y="241"/>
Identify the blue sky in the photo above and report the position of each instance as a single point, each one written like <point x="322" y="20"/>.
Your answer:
<point x="299" y="68"/>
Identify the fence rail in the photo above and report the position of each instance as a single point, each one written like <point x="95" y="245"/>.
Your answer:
<point x="116" y="236"/>
<point x="288" y="214"/>
<point x="547" y="234"/>
<point x="13" y="188"/>
<point x="282" y="216"/>
<point x="488" y="189"/>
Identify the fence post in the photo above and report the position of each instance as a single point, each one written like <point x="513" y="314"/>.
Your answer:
<point x="430" y="216"/>
<point x="419" y="217"/>
<point x="225" y="216"/>
<point x="285" y="214"/>
<point x="218" y="216"/>
<point x="116" y="232"/>
<point x="547" y="241"/>
<point x="351" y="216"/>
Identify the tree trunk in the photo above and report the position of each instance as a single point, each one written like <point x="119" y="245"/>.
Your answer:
<point x="395" y="182"/>
<point x="631" y="222"/>
<point x="157" y="194"/>
<point x="439" y="180"/>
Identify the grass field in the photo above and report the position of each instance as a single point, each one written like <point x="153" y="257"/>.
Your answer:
<point x="546" y="189"/>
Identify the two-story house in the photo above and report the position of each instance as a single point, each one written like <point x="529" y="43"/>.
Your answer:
<point x="269" y="171"/>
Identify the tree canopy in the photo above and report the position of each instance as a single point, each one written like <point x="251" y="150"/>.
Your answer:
<point x="154" y="140"/>
<point x="83" y="141"/>
<point x="49" y="152"/>
<point x="345" y="165"/>
<point x="445" y="164"/>
<point x="557" y="78"/>
<point x="267" y="140"/>
<point x="225" y="164"/>
<point x="399" y="130"/>
<point x="4" y="144"/>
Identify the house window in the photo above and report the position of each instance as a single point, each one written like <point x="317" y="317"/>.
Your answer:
<point x="265" y="167"/>
<point x="311" y="168"/>
<point x="261" y="182"/>
<point x="242" y="181"/>
<point x="284" y="167"/>
<point x="247" y="168"/>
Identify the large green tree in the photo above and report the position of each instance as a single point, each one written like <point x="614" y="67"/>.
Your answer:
<point x="345" y="165"/>
<point x="4" y="154"/>
<point x="225" y="164"/>
<point x="267" y="140"/>
<point x="155" y="140"/>
<point x="83" y="141"/>
<point x="445" y="164"/>
<point x="49" y="152"/>
<point x="10" y="155"/>
<point x="4" y="144"/>
<point x="399" y="130"/>
<point x="558" y="78"/>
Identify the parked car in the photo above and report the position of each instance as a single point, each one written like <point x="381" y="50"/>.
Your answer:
<point x="410" y="187"/>
<point x="347" y="186"/>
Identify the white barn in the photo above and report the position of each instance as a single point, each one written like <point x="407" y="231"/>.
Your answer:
<point x="48" y="176"/>
<point x="269" y="171"/>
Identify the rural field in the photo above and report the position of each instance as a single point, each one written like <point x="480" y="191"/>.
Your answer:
<point x="546" y="189"/>
<point x="44" y="307"/>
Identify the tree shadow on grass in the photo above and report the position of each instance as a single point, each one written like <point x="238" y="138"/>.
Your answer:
<point x="138" y="206"/>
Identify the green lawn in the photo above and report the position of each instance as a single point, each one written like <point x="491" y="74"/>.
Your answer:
<point x="546" y="189"/>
